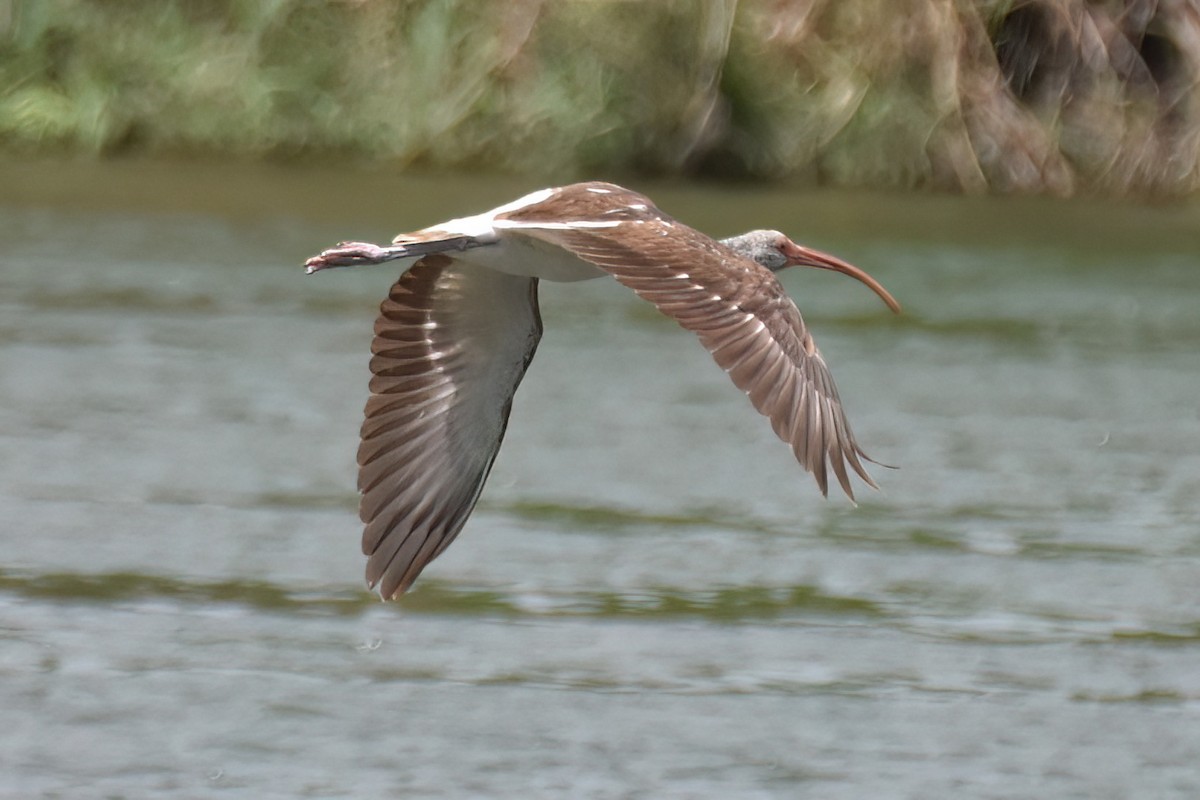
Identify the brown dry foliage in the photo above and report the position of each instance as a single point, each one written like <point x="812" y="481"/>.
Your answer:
<point x="1033" y="96"/>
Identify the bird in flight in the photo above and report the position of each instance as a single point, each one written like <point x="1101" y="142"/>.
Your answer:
<point x="458" y="329"/>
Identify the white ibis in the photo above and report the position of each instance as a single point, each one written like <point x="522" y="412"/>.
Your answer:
<point x="460" y="326"/>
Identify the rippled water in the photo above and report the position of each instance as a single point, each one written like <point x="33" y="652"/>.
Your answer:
<point x="652" y="599"/>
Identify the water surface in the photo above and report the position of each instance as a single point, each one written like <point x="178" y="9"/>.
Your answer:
<point x="652" y="599"/>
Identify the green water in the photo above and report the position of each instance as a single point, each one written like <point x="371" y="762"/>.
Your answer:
<point x="652" y="599"/>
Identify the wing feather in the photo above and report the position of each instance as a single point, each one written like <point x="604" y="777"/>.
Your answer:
<point x="741" y="314"/>
<point x="451" y="346"/>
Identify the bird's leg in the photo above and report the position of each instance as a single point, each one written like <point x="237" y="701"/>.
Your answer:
<point x="354" y="254"/>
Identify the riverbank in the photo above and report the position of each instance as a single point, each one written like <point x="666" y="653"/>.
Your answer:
<point x="1051" y="96"/>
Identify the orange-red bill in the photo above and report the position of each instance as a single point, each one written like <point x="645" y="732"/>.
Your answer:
<point x="802" y="256"/>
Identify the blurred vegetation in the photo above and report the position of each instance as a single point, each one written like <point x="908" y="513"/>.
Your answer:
<point x="1056" y="96"/>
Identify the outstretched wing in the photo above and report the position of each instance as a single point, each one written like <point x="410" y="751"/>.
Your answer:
<point x="451" y="345"/>
<point x="736" y="307"/>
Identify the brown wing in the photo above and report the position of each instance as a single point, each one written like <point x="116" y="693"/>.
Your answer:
<point x="451" y="345"/>
<point x="741" y="314"/>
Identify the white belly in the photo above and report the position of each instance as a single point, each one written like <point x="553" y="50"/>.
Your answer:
<point x="519" y="255"/>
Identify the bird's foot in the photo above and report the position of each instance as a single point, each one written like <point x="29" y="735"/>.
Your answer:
<point x="346" y="254"/>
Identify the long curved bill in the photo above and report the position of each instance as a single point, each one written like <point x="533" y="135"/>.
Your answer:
<point x="802" y="256"/>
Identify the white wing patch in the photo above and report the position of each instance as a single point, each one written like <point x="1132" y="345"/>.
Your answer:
<point x="531" y="199"/>
<point x="483" y="226"/>
<point x="555" y="226"/>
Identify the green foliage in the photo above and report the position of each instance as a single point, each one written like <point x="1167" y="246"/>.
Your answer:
<point x="911" y="93"/>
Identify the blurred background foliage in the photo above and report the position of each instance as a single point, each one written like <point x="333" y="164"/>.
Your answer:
<point x="1053" y="96"/>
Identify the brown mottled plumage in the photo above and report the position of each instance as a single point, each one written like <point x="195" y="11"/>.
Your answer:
<point x="459" y="328"/>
